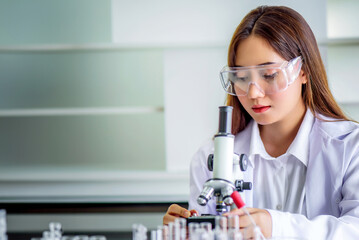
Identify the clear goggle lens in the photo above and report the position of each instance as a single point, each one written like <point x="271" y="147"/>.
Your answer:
<point x="268" y="79"/>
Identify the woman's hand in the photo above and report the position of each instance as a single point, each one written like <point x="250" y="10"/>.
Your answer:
<point x="261" y="217"/>
<point x="174" y="211"/>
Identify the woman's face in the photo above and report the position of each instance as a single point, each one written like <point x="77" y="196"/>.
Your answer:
<point x="264" y="108"/>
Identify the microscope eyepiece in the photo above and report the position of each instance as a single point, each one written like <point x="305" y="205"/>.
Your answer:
<point x="225" y="120"/>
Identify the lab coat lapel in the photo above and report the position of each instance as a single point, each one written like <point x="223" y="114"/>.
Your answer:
<point x="322" y="186"/>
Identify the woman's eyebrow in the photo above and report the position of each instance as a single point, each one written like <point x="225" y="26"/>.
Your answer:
<point x="261" y="64"/>
<point x="266" y="63"/>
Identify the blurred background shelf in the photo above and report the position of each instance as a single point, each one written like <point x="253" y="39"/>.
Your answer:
<point x="342" y="41"/>
<point x="78" y="111"/>
<point x="108" y="47"/>
<point x="349" y="41"/>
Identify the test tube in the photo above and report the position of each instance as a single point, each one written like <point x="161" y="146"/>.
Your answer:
<point x="55" y="230"/>
<point x="173" y="230"/>
<point x="46" y="235"/>
<point x="2" y="222"/>
<point x="233" y="228"/>
<point x="220" y="223"/>
<point x="182" y="223"/>
<point x="156" y="235"/>
<point x="139" y="232"/>
<point x="234" y="234"/>
<point x="82" y="237"/>
<point x="201" y="234"/>
<point x="207" y="226"/>
<point x="3" y="227"/>
<point x="97" y="237"/>
<point x="233" y="222"/>
<point x="192" y="227"/>
<point x="143" y="231"/>
<point x="164" y="230"/>
<point x="55" y="226"/>
<point x="218" y="234"/>
<point x="68" y="237"/>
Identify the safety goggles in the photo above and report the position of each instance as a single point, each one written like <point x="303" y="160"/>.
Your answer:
<point x="269" y="79"/>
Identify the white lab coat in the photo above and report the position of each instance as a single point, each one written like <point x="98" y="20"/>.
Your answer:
<point x="331" y="185"/>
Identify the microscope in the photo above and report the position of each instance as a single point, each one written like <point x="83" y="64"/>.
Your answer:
<point x="226" y="166"/>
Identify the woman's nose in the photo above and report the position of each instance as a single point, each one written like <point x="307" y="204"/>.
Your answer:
<point x="255" y="91"/>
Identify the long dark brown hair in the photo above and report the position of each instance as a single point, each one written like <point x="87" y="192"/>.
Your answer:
<point x="290" y="36"/>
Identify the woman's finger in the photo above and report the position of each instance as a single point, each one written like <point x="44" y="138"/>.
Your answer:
<point x="174" y="211"/>
<point x="177" y="210"/>
<point x="168" y="218"/>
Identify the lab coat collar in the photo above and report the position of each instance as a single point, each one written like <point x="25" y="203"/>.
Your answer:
<point x="299" y="147"/>
<point x="256" y="144"/>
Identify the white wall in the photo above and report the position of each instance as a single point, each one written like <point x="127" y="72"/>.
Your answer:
<point x="343" y="18"/>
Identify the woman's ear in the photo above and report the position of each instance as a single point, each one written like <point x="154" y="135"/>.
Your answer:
<point x="303" y="77"/>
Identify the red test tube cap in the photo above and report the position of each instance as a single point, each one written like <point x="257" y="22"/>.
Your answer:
<point x="237" y="199"/>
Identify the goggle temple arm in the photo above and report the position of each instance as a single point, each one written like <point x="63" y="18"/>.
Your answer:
<point x="293" y="69"/>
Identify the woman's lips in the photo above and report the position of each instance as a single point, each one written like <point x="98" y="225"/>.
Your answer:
<point x="260" y="108"/>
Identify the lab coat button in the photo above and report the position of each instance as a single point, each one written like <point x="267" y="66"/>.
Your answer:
<point x="337" y="200"/>
<point x="279" y="207"/>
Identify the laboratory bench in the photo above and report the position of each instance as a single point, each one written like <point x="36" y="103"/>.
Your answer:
<point x="112" y="220"/>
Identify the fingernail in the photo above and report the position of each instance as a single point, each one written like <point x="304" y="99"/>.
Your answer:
<point x="188" y="214"/>
<point x="194" y="215"/>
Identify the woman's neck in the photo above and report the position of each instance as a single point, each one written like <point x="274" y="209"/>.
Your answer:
<point x="277" y="137"/>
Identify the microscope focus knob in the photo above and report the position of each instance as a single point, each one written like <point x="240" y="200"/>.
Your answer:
<point x="210" y="162"/>
<point x="242" y="185"/>
<point x="243" y="162"/>
<point x="247" y="185"/>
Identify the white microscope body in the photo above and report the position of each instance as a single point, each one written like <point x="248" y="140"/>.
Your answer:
<point x="226" y="165"/>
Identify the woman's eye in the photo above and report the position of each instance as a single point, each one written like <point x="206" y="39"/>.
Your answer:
<point x="238" y="78"/>
<point x="242" y="79"/>
<point x="269" y="76"/>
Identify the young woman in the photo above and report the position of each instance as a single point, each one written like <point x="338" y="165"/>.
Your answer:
<point x="303" y="152"/>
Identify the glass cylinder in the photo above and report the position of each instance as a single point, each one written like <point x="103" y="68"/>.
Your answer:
<point x="206" y="226"/>
<point x="192" y="228"/>
<point x="233" y="222"/>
